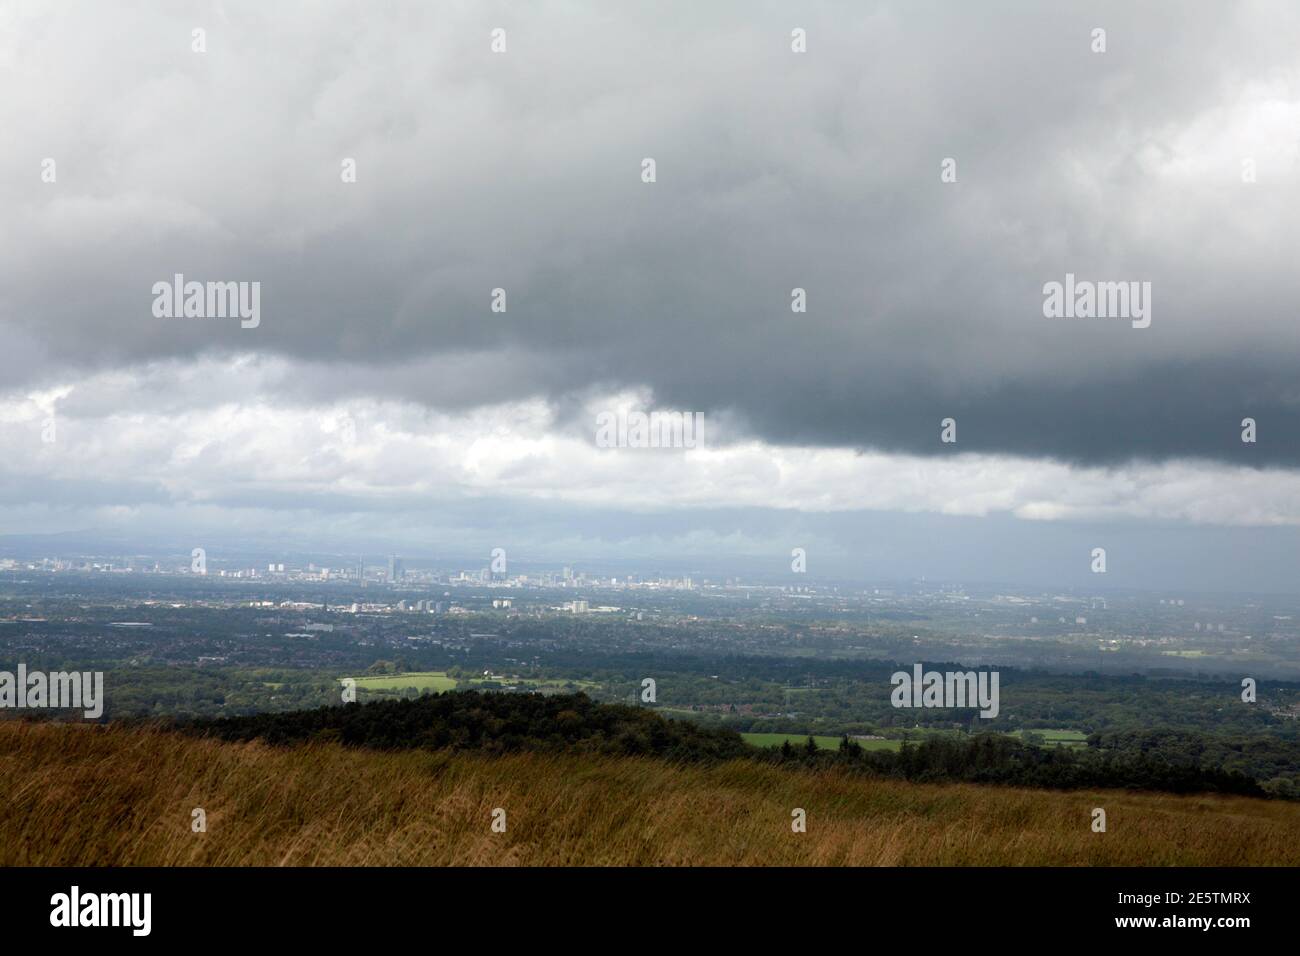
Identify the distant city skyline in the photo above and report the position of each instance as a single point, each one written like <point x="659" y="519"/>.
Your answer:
<point x="1135" y="562"/>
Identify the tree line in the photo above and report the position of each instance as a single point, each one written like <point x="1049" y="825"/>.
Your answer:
<point x="503" y="723"/>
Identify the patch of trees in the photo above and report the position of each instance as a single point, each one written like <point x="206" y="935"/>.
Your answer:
<point x="1274" y="761"/>
<point x="489" y="722"/>
<point x="998" y="759"/>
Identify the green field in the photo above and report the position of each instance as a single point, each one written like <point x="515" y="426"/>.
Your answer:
<point x="825" y="743"/>
<point x="437" y="681"/>
<point x="1068" y="738"/>
<point x="434" y="681"/>
<point x="557" y="685"/>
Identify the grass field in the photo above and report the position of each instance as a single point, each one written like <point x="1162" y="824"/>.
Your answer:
<point x="560" y="686"/>
<point x="98" y="796"/>
<point x="433" y="681"/>
<point x="825" y="743"/>
<point x="1067" y="738"/>
<point x="437" y="681"/>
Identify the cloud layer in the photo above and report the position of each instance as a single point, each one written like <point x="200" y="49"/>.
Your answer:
<point x="775" y="171"/>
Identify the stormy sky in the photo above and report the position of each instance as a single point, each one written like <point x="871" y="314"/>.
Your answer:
<point x="381" y="401"/>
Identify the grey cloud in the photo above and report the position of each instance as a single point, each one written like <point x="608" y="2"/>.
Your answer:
<point x="775" y="171"/>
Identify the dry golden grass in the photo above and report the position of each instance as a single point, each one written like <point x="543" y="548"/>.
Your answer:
<point x="85" y="795"/>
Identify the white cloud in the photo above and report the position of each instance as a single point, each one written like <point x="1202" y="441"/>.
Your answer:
<point x="222" y="433"/>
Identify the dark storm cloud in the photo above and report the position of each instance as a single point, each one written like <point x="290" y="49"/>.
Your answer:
<point x="775" y="171"/>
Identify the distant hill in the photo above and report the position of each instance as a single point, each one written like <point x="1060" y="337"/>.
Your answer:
<point x="81" y="794"/>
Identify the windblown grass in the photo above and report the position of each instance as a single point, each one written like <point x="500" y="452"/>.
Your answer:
<point x="87" y="795"/>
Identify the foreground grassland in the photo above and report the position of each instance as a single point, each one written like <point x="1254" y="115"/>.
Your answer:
<point x="84" y="795"/>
